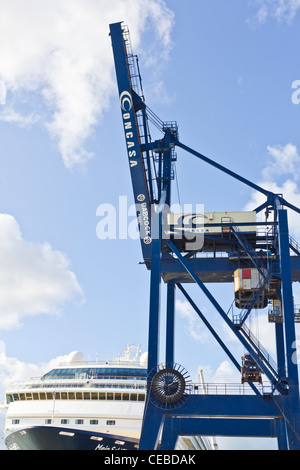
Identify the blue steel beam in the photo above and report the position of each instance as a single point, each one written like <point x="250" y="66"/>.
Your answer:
<point x="284" y="202"/>
<point x="288" y="307"/>
<point x="271" y="197"/>
<point x="254" y="406"/>
<point x="238" y="427"/>
<point x="174" y="427"/>
<point x="215" y="270"/>
<point x="222" y="168"/>
<point x="170" y="326"/>
<point x="155" y="286"/>
<point x="210" y="406"/>
<point x="263" y="428"/>
<point x="280" y="350"/>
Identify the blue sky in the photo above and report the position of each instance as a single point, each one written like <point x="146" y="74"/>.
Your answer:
<point x="223" y="70"/>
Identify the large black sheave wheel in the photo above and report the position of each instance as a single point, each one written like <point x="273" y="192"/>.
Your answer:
<point x="169" y="386"/>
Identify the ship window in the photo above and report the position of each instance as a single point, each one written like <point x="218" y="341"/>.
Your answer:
<point x="87" y="395"/>
<point x="71" y="395"/>
<point x="57" y="396"/>
<point x="118" y="396"/>
<point x="79" y="421"/>
<point x="126" y="396"/>
<point x="49" y="396"/>
<point x="110" y="396"/>
<point x="64" y="395"/>
<point x="93" y="421"/>
<point x="101" y="396"/>
<point x="15" y="421"/>
<point x="48" y="421"/>
<point x="22" y="396"/>
<point x="43" y="396"/>
<point x="35" y="396"/>
<point x="110" y="422"/>
<point x="64" y="421"/>
<point x="9" y="399"/>
<point x="28" y="396"/>
<point x="79" y="396"/>
<point x="95" y="372"/>
<point x="141" y="398"/>
<point x="16" y="396"/>
<point x="94" y="396"/>
<point x="133" y="397"/>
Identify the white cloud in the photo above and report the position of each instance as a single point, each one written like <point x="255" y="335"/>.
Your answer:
<point x="194" y="328"/>
<point x="282" y="10"/>
<point x="34" y="278"/>
<point x="8" y="114"/>
<point x="262" y="14"/>
<point x="60" y="51"/>
<point x="13" y="370"/>
<point x="291" y="193"/>
<point x="285" y="160"/>
<point x="280" y="176"/>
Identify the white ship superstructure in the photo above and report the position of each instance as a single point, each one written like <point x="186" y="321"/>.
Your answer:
<point x="82" y="405"/>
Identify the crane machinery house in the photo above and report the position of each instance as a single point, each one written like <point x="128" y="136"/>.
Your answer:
<point x="214" y="228"/>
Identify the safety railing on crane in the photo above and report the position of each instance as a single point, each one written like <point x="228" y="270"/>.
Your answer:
<point x="294" y="245"/>
<point x="251" y="338"/>
<point x="144" y="115"/>
<point x="132" y="63"/>
<point x="227" y="389"/>
<point x="263" y="353"/>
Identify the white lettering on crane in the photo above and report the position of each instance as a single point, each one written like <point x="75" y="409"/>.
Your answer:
<point x="143" y="215"/>
<point x="126" y="101"/>
<point x="127" y="127"/>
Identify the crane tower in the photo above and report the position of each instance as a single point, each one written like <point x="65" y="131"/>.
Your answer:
<point x="262" y="261"/>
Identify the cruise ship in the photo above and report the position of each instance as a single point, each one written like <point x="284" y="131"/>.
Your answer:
<point x="81" y="405"/>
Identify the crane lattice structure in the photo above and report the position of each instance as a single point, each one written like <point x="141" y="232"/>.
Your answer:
<point x="262" y="249"/>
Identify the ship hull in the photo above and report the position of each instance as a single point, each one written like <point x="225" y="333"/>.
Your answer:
<point x="55" y="438"/>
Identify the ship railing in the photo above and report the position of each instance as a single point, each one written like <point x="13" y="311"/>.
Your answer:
<point x="38" y="384"/>
<point x="114" y="362"/>
<point x="227" y="389"/>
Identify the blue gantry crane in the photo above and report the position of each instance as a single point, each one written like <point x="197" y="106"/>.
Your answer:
<point x="262" y="261"/>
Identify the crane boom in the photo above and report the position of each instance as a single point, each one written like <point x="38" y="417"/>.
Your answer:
<point x="132" y="112"/>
